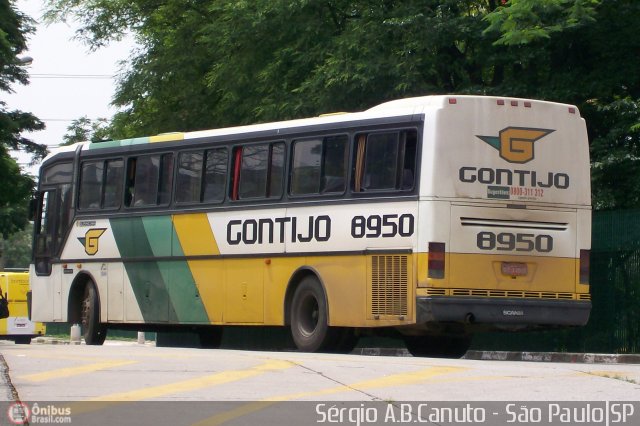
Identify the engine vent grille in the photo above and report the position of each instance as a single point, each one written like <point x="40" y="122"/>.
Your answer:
<point x="389" y="285"/>
<point x="512" y="293"/>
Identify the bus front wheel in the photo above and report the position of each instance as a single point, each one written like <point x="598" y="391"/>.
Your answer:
<point x="309" y="318"/>
<point x="93" y="332"/>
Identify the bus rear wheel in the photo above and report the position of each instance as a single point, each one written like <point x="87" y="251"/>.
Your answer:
<point x="438" y="346"/>
<point x="93" y="331"/>
<point x="309" y="318"/>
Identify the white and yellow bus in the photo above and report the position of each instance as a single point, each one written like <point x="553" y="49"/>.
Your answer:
<point x="437" y="216"/>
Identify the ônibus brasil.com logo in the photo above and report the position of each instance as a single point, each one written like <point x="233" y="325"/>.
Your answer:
<point x="19" y="413"/>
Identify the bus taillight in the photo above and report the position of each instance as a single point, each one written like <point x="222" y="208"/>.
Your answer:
<point x="584" y="266"/>
<point x="436" y="260"/>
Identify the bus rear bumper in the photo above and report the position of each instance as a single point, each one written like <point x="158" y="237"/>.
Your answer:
<point x="502" y="312"/>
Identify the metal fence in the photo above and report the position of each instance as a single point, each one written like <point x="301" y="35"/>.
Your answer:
<point x="614" y="325"/>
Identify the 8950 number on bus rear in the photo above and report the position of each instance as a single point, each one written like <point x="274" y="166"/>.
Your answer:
<point x="507" y="241"/>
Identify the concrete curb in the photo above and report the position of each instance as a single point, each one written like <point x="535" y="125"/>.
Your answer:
<point x="565" y="357"/>
<point x="381" y="352"/>
<point x="44" y="340"/>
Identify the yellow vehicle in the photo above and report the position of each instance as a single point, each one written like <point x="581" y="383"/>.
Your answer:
<point x="18" y="327"/>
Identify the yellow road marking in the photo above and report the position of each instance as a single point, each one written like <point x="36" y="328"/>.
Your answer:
<point x="401" y="379"/>
<point x="74" y="371"/>
<point x="197" y="383"/>
<point x="624" y="376"/>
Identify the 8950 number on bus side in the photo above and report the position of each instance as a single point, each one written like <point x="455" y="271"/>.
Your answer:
<point x="506" y="241"/>
<point x="386" y="226"/>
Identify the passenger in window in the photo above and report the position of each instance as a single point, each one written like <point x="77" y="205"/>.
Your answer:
<point x="146" y="183"/>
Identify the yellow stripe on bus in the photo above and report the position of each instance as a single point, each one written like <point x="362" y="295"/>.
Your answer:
<point x="195" y="235"/>
<point x="196" y="239"/>
<point x="167" y="137"/>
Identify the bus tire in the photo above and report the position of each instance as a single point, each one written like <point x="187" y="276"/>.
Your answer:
<point x="309" y="317"/>
<point x="438" y="346"/>
<point x="93" y="331"/>
<point x="23" y="340"/>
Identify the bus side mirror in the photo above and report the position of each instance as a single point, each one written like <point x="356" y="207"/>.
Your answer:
<point x="33" y="207"/>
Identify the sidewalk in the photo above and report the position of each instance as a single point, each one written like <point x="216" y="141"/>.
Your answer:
<point x="565" y="357"/>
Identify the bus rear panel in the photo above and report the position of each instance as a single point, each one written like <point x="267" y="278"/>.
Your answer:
<point x="506" y="194"/>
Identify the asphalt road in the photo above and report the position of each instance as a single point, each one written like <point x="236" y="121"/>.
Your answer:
<point x="127" y="371"/>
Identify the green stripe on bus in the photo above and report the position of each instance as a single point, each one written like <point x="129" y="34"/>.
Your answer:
<point x="120" y="143"/>
<point x="186" y="305"/>
<point x="146" y="279"/>
<point x="165" y="291"/>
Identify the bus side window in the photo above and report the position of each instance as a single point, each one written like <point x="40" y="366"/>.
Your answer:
<point x="145" y="184"/>
<point x="319" y="165"/>
<point x="409" y="156"/>
<point x="260" y="171"/>
<point x="113" y="184"/>
<point x="215" y="175"/>
<point x="189" y="180"/>
<point x="149" y="180"/>
<point x="276" y="170"/>
<point x="334" y="163"/>
<point x="253" y="171"/>
<point x="101" y="184"/>
<point x="305" y="177"/>
<point x="91" y="184"/>
<point x="385" y="161"/>
<point x="130" y="188"/>
<point x="165" y="180"/>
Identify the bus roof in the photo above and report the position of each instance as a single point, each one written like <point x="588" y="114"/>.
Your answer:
<point x="394" y="108"/>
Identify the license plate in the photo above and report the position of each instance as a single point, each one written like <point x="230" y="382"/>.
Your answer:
<point x="514" y="269"/>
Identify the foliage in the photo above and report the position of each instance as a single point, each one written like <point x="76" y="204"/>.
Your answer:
<point x="84" y="129"/>
<point x="525" y="21"/>
<point x="17" y="249"/>
<point x="14" y="26"/>
<point x="205" y="64"/>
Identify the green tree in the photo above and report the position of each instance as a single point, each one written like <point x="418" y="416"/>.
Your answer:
<point x="204" y="63"/>
<point x="14" y="197"/>
<point x="17" y="252"/>
<point x="84" y="129"/>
